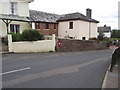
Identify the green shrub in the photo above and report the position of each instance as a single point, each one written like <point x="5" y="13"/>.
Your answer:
<point x="15" y="37"/>
<point x="31" y="35"/>
<point x="41" y="37"/>
<point x="93" y="38"/>
<point x="101" y="36"/>
<point x="4" y="40"/>
<point x="107" y="41"/>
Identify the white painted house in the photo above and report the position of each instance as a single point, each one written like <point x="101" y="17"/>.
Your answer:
<point x="14" y="16"/>
<point x="77" y="25"/>
<point x="106" y="30"/>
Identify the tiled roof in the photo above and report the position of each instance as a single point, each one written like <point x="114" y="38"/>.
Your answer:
<point x="39" y="16"/>
<point x="76" y="16"/>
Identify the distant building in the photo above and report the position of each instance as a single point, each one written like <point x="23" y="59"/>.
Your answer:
<point x="45" y="22"/>
<point x="77" y="26"/>
<point x="106" y="30"/>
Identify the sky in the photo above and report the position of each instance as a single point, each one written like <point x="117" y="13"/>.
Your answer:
<point x="105" y="11"/>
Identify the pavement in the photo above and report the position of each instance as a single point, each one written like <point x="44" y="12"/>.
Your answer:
<point x="111" y="78"/>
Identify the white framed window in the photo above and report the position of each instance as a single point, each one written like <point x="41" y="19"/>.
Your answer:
<point x="13" y="7"/>
<point x="14" y="28"/>
<point x="70" y="25"/>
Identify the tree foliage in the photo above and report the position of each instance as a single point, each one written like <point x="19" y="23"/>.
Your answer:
<point x="115" y="34"/>
<point x="101" y="36"/>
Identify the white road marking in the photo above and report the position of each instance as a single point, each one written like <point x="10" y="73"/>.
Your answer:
<point x="18" y="70"/>
<point x="53" y="72"/>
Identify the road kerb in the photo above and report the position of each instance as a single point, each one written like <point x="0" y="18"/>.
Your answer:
<point x="105" y="78"/>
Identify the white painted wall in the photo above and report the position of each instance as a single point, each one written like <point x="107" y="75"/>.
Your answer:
<point x="107" y="34"/>
<point x="3" y="29"/>
<point x="22" y="10"/>
<point x="80" y="29"/>
<point x="22" y="7"/>
<point x="93" y="29"/>
<point x="36" y="46"/>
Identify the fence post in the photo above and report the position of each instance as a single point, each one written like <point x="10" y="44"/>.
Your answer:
<point x="10" y="43"/>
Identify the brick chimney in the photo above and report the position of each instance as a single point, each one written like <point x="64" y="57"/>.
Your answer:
<point x="88" y="13"/>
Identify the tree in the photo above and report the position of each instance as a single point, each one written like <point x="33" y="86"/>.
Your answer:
<point x="115" y="33"/>
<point x="101" y="36"/>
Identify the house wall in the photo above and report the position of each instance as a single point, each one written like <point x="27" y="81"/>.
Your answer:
<point x="22" y="10"/>
<point x="22" y="7"/>
<point x="93" y="32"/>
<point x="35" y="46"/>
<point x="23" y="25"/>
<point x="3" y="29"/>
<point x="49" y="31"/>
<point x="80" y="29"/>
<point x="107" y="34"/>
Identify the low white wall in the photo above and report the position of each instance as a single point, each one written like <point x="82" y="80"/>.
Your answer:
<point x="35" y="46"/>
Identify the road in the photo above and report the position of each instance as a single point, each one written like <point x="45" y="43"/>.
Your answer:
<point x="85" y="69"/>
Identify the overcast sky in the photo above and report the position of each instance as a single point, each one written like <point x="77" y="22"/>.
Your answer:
<point x="105" y="11"/>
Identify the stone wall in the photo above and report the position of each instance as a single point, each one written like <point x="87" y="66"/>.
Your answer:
<point x="52" y="29"/>
<point x="78" y="45"/>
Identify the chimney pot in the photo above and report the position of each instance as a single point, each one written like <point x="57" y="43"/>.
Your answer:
<point x="105" y="26"/>
<point x="88" y="13"/>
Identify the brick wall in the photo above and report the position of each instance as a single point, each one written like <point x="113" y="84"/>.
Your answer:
<point x="49" y="31"/>
<point x="78" y="45"/>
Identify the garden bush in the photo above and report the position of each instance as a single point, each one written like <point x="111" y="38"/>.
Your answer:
<point x="93" y="38"/>
<point x="15" y="37"/>
<point x="107" y="41"/>
<point x="31" y="35"/>
<point x="27" y="35"/>
<point x="4" y="40"/>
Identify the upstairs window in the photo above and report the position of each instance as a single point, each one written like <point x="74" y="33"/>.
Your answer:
<point x="14" y="28"/>
<point x="46" y="26"/>
<point x="70" y="25"/>
<point x="13" y="6"/>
